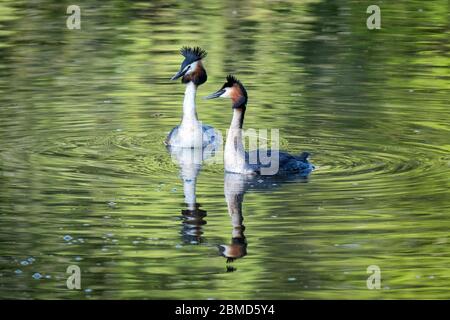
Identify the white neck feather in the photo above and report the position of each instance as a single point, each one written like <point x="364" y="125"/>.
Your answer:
<point x="234" y="148"/>
<point x="189" y="110"/>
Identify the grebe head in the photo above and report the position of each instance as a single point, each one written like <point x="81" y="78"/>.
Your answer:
<point x="192" y="68"/>
<point x="232" y="89"/>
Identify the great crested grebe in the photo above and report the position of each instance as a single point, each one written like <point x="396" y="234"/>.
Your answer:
<point x="191" y="133"/>
<point x="236" y="159"/>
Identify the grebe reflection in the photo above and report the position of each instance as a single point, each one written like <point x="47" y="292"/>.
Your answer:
<point x="235" y="187"/>
<point x="190" y="162"/>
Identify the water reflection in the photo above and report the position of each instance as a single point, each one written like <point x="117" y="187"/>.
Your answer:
<point x="235" y="187"/>
<point x="190" y="162"/>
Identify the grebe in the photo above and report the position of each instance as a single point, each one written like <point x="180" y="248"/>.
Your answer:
<point x="191" y="133"/>
<point x="236" y="159"/>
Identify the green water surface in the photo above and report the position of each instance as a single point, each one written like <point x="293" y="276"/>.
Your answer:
<point x="85" y="178"/>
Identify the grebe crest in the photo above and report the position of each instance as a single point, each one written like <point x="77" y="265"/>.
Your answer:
<point x="191" y="69"/>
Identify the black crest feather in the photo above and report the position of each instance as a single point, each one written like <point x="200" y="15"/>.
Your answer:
<point x="232" y="80"/>
<point x="193" y="54"/>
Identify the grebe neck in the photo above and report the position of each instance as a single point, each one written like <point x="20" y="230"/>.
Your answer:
<point x="189" y="109"/>
<point x="234" y="148"/>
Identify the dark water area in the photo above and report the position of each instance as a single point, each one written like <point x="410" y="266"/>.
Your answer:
<point x="86" y="180"/>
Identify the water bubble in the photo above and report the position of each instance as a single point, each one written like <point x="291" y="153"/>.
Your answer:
<point x="112" y="203"/>
<point x="37" y="276"/>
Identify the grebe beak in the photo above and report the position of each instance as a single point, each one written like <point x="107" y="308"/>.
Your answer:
<point x="215" y="94"/>
<point x="179" y="74"/>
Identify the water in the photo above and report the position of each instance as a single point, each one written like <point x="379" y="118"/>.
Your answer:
<point x="86" y="180"/>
